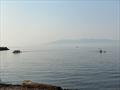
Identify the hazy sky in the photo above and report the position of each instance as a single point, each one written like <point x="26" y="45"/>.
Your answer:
<point x="32" y="22"/>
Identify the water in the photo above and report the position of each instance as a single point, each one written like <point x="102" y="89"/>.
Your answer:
<point x="81" y="68"/>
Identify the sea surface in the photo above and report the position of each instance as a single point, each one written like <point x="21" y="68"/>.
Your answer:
<point x="82" y="68"/>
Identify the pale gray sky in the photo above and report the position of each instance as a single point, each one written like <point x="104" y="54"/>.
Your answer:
<point x="32" y="22"/>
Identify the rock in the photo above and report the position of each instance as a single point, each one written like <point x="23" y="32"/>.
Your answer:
<point x="30" y="84"/>
<point x="3" y="48"/>
<point x="17" y="51"/>
<point x="27" y="82"/>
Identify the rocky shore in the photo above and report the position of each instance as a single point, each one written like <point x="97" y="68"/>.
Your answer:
<point x="29" y="85"/>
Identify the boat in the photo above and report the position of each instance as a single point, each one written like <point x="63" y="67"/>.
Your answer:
<point x="3" y="48"/>
<point x="102" y="51"/>
<point x="17" y="51"/>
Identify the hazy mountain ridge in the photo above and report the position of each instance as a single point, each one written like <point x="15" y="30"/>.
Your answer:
<point x="77" y="41"/>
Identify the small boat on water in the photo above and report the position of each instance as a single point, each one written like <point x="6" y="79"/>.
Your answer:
<point x="102" y="51"/>
<point x="3" y="48"/>
<point x="17" y="51"/>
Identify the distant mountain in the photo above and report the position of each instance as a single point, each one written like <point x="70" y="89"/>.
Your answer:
<point x="78" y="41"/>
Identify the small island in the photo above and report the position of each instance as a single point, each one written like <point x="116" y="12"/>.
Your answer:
<point x="3" y="48"/>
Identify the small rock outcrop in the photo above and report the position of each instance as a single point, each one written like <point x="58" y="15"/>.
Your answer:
<point x="3" y="48"/>
<point x="17" y="51"/>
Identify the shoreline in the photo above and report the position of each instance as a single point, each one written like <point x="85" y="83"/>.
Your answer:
<point x="32" y="86"/>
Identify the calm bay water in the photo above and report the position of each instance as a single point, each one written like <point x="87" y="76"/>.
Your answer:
<point x="79" y="68"/>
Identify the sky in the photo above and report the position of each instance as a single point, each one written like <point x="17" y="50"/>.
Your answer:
<point x="34" y="22"/>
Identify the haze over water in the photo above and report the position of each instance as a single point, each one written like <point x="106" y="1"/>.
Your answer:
<point x="34" y="22"/>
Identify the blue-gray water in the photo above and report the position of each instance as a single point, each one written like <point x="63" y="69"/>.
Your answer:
<point x="79" y="68"/>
